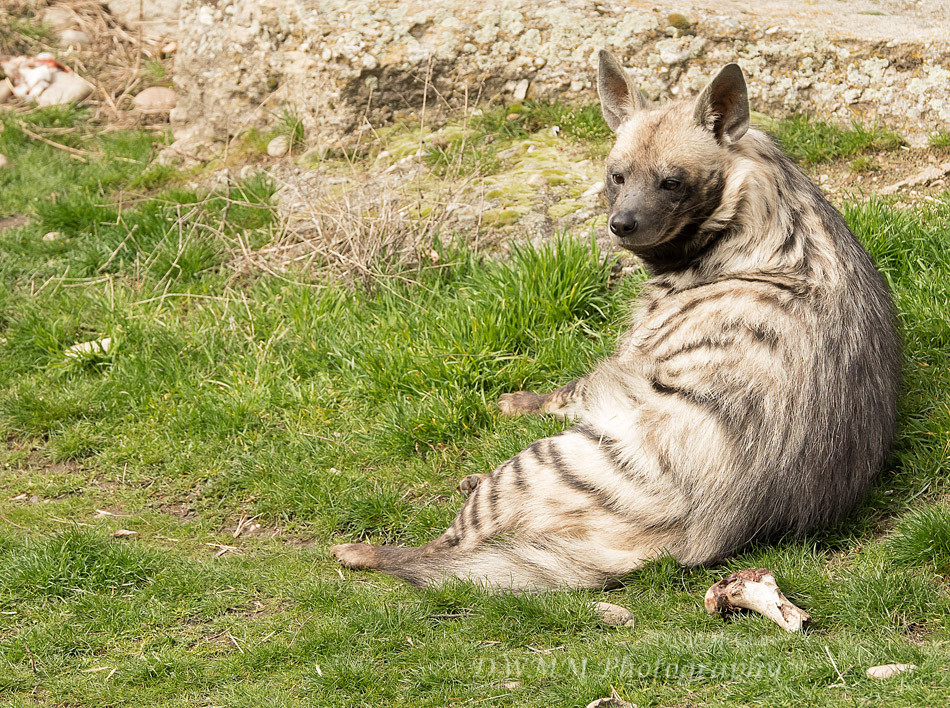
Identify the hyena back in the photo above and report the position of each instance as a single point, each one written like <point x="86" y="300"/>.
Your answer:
<point x="753" y="394"/>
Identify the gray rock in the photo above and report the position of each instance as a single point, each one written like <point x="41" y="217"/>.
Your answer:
<point x="65" y="88"/>
<point x="58" y="17"/>
<point x="236" y="59"/>
<point x="155" y="99"/>
<point x="888" y="670"/>
<point x="614" y="701"/>
<point x="614" y="615"/>
<point x="74" y="37"/>
<point x="279" y="146"/>
<point x="592" y="191"/>
<point x="521" y="90"/>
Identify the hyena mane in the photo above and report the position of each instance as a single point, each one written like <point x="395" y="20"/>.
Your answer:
<point x="753" y="394"/>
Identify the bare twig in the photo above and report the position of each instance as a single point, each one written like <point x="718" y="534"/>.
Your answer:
<point x="71" y="150"/>
<point x="32" y="659"/>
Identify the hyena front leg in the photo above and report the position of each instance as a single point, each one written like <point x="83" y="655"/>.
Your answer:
<point x="562" y="403"/>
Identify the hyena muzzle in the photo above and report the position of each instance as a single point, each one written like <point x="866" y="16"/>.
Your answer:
<point x="754" y="393"/>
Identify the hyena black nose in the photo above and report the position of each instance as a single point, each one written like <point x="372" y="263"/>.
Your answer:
<point x="623" y="223"/>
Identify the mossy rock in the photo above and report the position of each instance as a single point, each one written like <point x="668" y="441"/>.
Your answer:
<point x="563" y="208"/>
<point x="502" y="217"/>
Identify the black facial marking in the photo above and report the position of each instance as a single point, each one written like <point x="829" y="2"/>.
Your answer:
<point x="690" y="243"/>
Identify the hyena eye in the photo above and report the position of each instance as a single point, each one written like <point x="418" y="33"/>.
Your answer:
<point x="670" y="184"/>
<point x="617" y="178"/>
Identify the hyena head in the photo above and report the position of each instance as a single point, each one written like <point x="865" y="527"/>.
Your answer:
<point x="667" y="171"/>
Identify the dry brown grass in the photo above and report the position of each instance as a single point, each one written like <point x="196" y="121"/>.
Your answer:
<point x="354" y="231"/>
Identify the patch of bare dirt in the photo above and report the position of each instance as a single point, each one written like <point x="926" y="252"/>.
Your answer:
<point x="911" y="175"/>
<point x="12" y="222"/>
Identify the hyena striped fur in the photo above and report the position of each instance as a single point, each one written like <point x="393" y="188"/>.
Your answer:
<point x="754" y="393"/>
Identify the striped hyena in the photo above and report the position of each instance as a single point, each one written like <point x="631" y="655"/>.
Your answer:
<point x="753" y="394"/>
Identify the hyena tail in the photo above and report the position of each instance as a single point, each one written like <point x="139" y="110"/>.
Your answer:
<point x="502" y="565"/>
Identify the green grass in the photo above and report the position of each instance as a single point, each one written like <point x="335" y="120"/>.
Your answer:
<point x="940" y="140"/>
<point x="324" y="413"/>
<point x="814" y="141"/>
<point x="864" y="164"/>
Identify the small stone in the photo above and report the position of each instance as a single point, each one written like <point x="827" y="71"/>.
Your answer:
<point x="99" y="346"/>
<point x="508" y="685"/>
<point x="247" y="171"/>
<point x="65" y="88"/>
<point x="615" y="701"/>
<point x="170" y="48"/>
<point x="614" y="615"/>
<point x="521" y="90"/>
<point x="169" y="157"/>
<point x="123" y="533"/>
<point x="536" y="180"/>
<point x="279" y="146"/>
<point x="74" y="37"/>
<point x="51" y="235"/>
<point x="155" y="99"/>
<point x="58" y="17"/>
<point x="887" y="670"/>
<point x="3" y="161"/>
<point x="593" y="190"/>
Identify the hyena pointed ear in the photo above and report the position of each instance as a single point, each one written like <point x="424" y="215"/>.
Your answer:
<point x="723" y="106"/>
<point x="619" y="98"/>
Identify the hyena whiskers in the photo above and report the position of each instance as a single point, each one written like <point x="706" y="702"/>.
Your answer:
<point x="753" y="394"/>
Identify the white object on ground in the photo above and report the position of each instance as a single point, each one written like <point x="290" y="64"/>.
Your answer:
<point x="155" y="99"/>
<point x="74" y="37"/>
<point x="99" y="346"/>
<point x="888" y="670"/>
<point x="614" y="615"/>
<point x="615" y="701"/>
<point x="595" y="189"/>
<point x="65" y="88"/>
<point x="44" y="80"/>
<point x="756" y="590"/>
<point x="279" y="146"/>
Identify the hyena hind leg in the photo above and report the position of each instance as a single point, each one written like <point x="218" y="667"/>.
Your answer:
<point x="561" y="402"/>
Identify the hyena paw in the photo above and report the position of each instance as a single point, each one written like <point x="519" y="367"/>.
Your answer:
<point x="520" y="402"/>
<point x="354" y="555"/>
<point x="468" y="484"/>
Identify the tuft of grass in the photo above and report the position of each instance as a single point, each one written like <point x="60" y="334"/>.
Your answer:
<point x="291" y="125"/>
<point x="940" y="140"/>
<point x="583" y="124"/>
<point x="923" y="539"/>
<point x="864" y="165"/>
<point x="155" y="69"/>
<point x="811" y="141"/>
